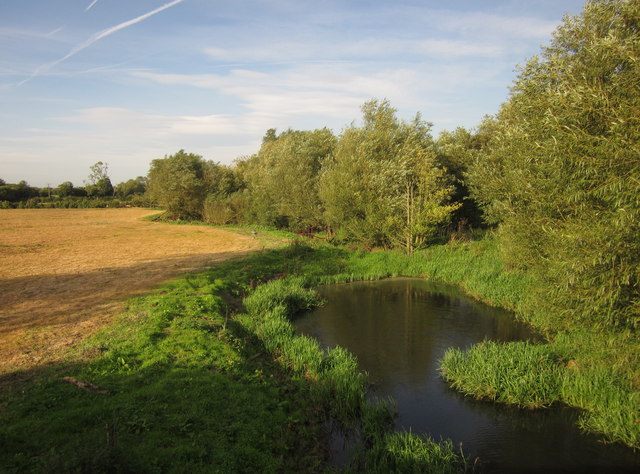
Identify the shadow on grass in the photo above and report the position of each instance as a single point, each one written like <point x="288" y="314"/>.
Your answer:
<point x="42" y="300"/>
<point x="191" y="399"/>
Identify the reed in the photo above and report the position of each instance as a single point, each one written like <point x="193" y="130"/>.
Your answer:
<point x="409" y="453"/>
<point x="337" y="384"/>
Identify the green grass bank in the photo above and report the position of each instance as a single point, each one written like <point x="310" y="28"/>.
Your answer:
<point x="207" y="375"/>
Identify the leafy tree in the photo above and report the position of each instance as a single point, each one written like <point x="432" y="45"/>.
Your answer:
<point x="182" y="181"/>
<point x="282" y="178"/>
<point x="98" y="183"/>
<point x="65" y="189"/>
<point x="99" y="171"/>
<point x="224" y="203"/>
<point x="17" y="192"/>
<point x="177" y="183"/>
<point x="456" y="151"/>
<point x="383" y="186"/>
<point x="131" y="187"/>
<point x="561" y="173"/>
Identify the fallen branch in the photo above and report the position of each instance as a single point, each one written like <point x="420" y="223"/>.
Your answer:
<point x="85" y="385"/>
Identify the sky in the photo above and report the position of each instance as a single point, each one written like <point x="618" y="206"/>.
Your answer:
<point x="128" y="81"/>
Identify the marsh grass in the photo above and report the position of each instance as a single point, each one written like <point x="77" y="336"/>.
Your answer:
<point x="408" y="453"/>
<point x="540" y="375"/>
<point x="516" y="373"/>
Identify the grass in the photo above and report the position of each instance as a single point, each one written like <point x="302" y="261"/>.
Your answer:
<point x="339" y="386"/>
<point x="540" y="375"/>
<point x="188" y="394"/>
<point x="207" y="374"/>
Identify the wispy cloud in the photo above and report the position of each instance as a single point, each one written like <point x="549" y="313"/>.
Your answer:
<point x="98" y="36"/>
<point x="91" y="5"/>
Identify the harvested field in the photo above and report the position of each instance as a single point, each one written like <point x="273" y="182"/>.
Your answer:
<point x="64" y="273"/>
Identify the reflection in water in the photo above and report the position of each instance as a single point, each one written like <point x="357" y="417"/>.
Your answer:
<point x="400" y="328"/>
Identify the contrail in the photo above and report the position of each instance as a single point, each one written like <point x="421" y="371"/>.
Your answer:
<point x="91" y="6"/>
<point x="99" y="36"/>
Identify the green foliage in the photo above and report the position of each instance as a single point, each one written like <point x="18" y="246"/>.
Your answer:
<point x="561" y="172"/>
<point x="99" y="184"/>
<point x="289" y="293"/>
<point x="101" y="188"/>
<point x="517" y="373"/>
<point x="181" y="183"/>
<point x="282" y="179"/>
<point x="177" y="183"/>
<point x="409" y="453"/>
<point x="131" y="187"/>
<point x="224" y="210"/>
<point x="563" y="371"/>
<point x="17" y="192"/>
<point x="64" y="189"/>
<point x="455" y="152"/>
<point x="383" y="187"/>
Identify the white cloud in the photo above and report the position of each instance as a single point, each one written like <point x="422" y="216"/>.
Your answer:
<point x="491" y="25"/>
<point x="371" y="49"/>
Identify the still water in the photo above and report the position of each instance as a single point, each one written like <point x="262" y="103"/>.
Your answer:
<point x="399" y="329"/>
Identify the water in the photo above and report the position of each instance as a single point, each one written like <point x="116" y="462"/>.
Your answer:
<point x="399" y="329"/>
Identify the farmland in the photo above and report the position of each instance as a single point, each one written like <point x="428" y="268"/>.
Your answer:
<point x="64" y="273"/>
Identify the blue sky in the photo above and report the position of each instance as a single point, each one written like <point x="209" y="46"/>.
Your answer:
<point x="128" y="81"/>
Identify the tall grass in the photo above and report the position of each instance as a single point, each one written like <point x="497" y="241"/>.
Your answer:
<point x="534" y="376"/>
<point x="517" y="373"/>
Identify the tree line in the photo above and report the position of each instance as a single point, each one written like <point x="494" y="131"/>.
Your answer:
<point x="378" y="185"/>
<point x="98" y="191"/>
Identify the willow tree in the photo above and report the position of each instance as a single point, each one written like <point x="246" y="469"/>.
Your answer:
<point x="561" y="173"/>
<point x="383" y="186"/>
<point x="177" y="183"/>
<point x="282" y="178"/>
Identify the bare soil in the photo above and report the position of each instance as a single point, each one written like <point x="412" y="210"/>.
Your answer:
<point x="65" y="273"/>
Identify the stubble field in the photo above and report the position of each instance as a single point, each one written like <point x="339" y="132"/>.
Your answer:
<point x="65" y="273"/>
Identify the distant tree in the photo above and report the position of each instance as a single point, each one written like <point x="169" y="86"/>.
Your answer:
<point x="102" y="188"/>
<point x="17" y="192"/>
<point x="65" y="189"/>
<point x="2" y="182"/>
<point x="178" y="183"/>
<point x="99" y="171"/>
<point x="46" y="191"/>
<point x="98" y="183"/>
<point x="561" y="173"/>
<point x="131" y="187"/>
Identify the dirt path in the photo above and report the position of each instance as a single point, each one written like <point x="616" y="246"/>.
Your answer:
<point x="65" y="273"/>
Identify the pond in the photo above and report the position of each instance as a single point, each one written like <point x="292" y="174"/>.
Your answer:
<point x="399" y="329"/>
